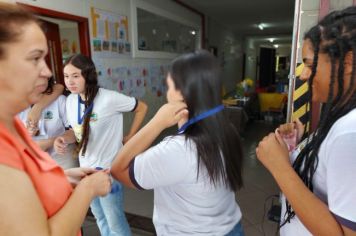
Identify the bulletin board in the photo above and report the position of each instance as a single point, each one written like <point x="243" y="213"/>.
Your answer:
<point x="110" y="34"/>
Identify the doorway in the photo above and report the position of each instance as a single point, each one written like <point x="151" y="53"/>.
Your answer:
<point x="51" y="21"/>
<point x="267" y="65"/>
<point x="54" y="56"/>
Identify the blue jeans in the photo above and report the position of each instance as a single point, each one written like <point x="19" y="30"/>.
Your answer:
<point x="109" y="213"/>
<point x="237" y="230"/>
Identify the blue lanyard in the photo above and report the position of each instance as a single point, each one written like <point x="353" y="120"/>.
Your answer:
<point x="200" y="117"/>
<point x="86" y="111"/>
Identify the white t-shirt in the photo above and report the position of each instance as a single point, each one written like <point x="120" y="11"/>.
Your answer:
<point x="106" y="125"/>
<point x="52" y="123"/>
<point x="335" y="177"/>
<point x="183" y="205"/>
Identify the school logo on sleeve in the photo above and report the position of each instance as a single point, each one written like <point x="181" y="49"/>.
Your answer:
<point x="48" y="115"/>
<point x="93" y="117"/>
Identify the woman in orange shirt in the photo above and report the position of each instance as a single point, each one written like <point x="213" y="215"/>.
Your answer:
<point x="36" y="197"/>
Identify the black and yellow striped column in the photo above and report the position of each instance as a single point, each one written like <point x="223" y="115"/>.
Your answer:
<point x="300" y="97"/>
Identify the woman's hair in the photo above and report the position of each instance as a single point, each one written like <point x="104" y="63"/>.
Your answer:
<point x="88" y="71"/>
<point x="49" y="89"/>
<point x="334" y="36"/>
<point x="197" y="76"/>
<point x="12" y="17"/>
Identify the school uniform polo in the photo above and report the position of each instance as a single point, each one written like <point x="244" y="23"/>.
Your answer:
<point x="106" y="125"/>
<point x="52" y="123"/>
<point x="184" y="203"/>
<point x="335" y="177"/>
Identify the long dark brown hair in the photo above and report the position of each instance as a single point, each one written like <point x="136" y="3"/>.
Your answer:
<point x="88" y="71"/>
<point x="197" y="76"/>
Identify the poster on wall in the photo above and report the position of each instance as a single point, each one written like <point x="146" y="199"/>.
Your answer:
<point x="133" y="81"/>
<point x="110" y="34"/>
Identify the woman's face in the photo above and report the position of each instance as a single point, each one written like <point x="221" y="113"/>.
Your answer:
<point x="24" y="72"/>
<point x="321" y="80"/>
<point x="74" y="79"/>
<point x="173" y="95"/>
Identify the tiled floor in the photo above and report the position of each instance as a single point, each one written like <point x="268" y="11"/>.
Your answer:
<point x="254" y="198"/>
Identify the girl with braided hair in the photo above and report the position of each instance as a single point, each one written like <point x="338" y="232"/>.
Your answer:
<point x="320" y="185"/>
<point x="96" y="119"/>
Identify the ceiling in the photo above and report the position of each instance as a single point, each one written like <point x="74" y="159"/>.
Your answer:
<point x="243" y="16"/>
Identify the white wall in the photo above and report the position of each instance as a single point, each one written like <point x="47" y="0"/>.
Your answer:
<point x="310" y="17"/>
<point x="229" y="52"/>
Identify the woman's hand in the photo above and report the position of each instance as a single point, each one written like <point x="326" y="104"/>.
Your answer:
<point x="99" y="182"/>
<point x="60" y="145"/>
<point x="32" y="128"/>
<point x="300" y="129"/>
<point x="170" y="114"/>
<point x="75" y="175"/>
<point x="288" y="129"/>
<point x="272" y="152"/>
<point x="33" y="117"/>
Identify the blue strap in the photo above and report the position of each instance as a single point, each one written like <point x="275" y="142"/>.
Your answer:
<point x="200" y="117"/>
<point x="86" y="111"/>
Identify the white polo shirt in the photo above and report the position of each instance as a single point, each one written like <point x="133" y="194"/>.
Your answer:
<point x="335" y="177"/>
<point x="106" y="125"/>
<point x="52" y="123"/>
<point x="183" y="204"/>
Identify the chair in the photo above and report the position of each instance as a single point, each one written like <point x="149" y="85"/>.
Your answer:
<point x="272" y="105"/>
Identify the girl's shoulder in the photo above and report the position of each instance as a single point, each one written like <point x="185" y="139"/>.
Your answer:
<point x="346" y="123"/>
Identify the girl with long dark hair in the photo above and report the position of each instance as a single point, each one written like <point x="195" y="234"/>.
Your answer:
<point x="95" y="116"/>
<point x="195" y="173"/>
<point x="320" y="185"/>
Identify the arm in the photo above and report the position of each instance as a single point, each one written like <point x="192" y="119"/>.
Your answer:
<point x="35" y="113"/>
<point x="45" y="144"/>
<point x="313" y="213"/>
<point x="26" y="215"/>
<point x="168" y="115"/>
<point x="140" y="113"/>
<point x="61" y="142"/>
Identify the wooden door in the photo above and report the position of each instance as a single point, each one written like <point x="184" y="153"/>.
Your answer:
<point x="54" y="56"/>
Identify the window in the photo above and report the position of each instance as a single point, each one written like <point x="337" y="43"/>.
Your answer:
<point x="159" y="34"/>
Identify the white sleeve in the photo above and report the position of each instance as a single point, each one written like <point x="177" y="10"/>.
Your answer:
<point x="23" y="115"/>
<point x="164" y="164"/>
<point x="341" y="178"/>
<point x="122" y="103"/>
<point x="62" y="110"/>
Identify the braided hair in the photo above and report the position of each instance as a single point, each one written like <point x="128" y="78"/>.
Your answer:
<point x="88" y="71"/>
<point x="334" y="36"/>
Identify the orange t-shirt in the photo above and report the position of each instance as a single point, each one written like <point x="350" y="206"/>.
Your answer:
<point x="47" y="177"/>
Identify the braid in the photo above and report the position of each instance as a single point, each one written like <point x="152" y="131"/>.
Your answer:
<point x="90" y="93"/>
<point x="88" y="71"/>
<point x="335" y="36"/>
